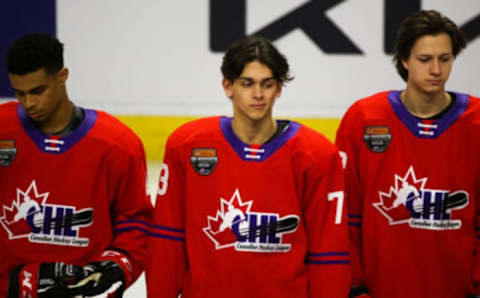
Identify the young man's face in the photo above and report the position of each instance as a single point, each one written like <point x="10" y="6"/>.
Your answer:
<point x="40" y="94"/>
<point x="430" y="63"/>
<point x="253" y="93"/>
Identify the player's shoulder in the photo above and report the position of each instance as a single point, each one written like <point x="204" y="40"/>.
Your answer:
<point x="371" y="105"/>
<point x="109" y="129"/>
<point x="8" y="109"/>
<point x="372" y="108"/>
<point x="8" y="115"/>
<point x="312" y="143"/>
<point x="202" y="128"/>
<point x="472" y="109"/>
<point x="473" y="103"/>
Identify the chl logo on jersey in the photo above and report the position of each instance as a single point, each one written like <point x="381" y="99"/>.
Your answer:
<point x="29" y="216"/>
<point x="235" y="225"/>
<point x="410" y="202"/>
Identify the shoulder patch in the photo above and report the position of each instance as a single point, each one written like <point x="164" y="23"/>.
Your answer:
<point x="8" y="151"/>
<point x="204" y="160"/>
<point x="377" y="138"/>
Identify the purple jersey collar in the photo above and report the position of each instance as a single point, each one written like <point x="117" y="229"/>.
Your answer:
<point x="437" y="127"/>
<point x="56" y="145"/>
<point x="250" y="153"/>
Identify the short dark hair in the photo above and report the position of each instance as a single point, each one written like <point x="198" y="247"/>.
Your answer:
<point x="418" y="24"/>
<point x="35" y="51"/>
<point x="254" y="48"/>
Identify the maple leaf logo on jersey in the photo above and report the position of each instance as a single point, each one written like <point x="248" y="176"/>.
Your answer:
<point x="231" y="212"/>
<point x="409" y="201"/>
<point x="29" y="216"/>
<point x="393" y="204"/>
<point x="235" y="225"/>
<point x="27" y="204"/>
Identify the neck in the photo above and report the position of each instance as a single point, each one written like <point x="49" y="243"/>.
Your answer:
<point x="254" y="132"/>
<point x="59" y="119"/>
<point x="425" y="105"/>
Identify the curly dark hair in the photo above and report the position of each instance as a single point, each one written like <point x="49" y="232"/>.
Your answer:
<point x="418" y="24"/>
<point x="254" y="48"/>
<point x="35" y="51"/>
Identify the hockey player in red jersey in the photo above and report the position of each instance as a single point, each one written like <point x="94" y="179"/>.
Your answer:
<point x="412" y="172"/>
<point x="73" y="186"/>
<point x="249" y="206"/>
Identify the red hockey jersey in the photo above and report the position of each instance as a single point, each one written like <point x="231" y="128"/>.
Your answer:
<point x="412" y="191"/>
<point x="237" y="220"/>
<point x="70" y="198"/>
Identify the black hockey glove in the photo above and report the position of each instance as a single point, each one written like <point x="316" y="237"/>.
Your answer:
<point x="43" y="280"/>
<point x="473" y="296"/>
<point x="359" y="291"/>
<point x="103" y="278"/>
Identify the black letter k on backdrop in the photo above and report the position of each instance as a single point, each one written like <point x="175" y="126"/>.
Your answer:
<point x="228" y="23"/>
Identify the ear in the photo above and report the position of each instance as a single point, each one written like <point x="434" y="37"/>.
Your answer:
<point x="404" y="63"/>
<point x="227" y="88"/>
<point x="279" y="90"/>
<point x="62" y="75"/>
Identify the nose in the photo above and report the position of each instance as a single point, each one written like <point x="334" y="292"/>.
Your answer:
<point x="28" y="101"/>
<point x="435" y="68"/>
<point x="257" y="91"/>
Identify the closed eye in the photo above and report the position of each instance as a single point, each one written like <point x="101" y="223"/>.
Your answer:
<point x="269" y="83"/>
<point x="38" y="90"/>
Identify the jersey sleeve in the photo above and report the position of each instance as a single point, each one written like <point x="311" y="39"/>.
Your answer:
<point x="5" y="270"/>
<point x="130" y="208"/>
<point x="328" y="258"/>
<point x="475" y="288"/>
<point x="167" y="258"/>
<point x="354" y="198"/>
<point x="476" y="269"/>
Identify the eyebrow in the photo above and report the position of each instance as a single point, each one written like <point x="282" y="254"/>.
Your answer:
<point x="251" y="79"/>
<point x="430" y="55"/>
<point x="29" y="91"/>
